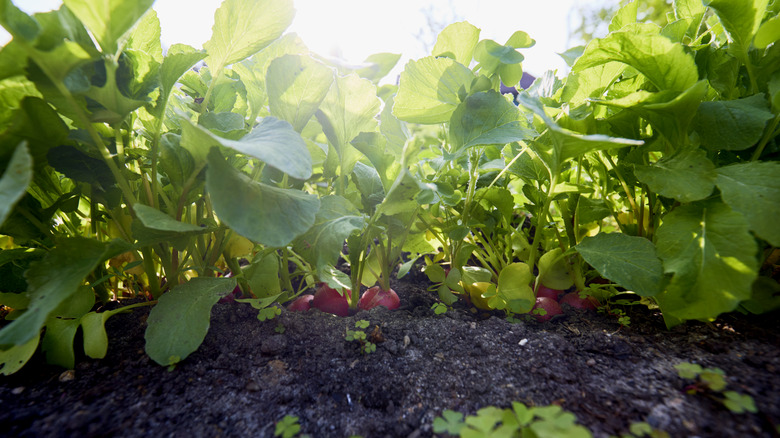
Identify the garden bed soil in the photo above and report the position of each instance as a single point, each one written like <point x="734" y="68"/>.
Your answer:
<point x="246" y="376"/>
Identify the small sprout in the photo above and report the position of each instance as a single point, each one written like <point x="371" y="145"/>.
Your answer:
<point x="739" y="403"/>
<point x="360" y="336"/>
<point x="268" y="313"/>
<point x="713" y="380"/>
<point x="288" y="427"/>
<point x="280" y="328"/>
<point x="439" y="308"/>
<point x="450" y="422"/>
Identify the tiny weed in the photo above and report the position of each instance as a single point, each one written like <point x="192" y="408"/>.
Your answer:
<point x="288" y="427"/>
<point x="366" y="346"/>
<point x="280" y="328"/>
<point x="439" y="308"/>
<point x="519" y="420"/>
<point x="711" y="382"/>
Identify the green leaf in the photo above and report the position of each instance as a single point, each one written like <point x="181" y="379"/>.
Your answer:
<point x="179" y="322"/>
<point x="732" y="124"/>
<point x="18" y="24"/>
<point x="296" y="86"/>
<point x="487" y="118"/>
<point x="663" y="62"/>
<point x="263" y="275"/>
<point x="514" y="292"/>
<point x="146" y="36"/>
<point x="157" y="220"/>
<point x="179" y="59"/>
<point x="669" y="112"/>
<point x="57" y="342"/>
<point x="349" y="108"/>
<point x="457" y="41"/>
<point x="686" y="177"/>
<point x="401" y="197"/>
<point x="15" y="180"/>
<point x="336" y="219"/>
<point x="378" y="65"/>
<point x="109" y="20"/>
<point x="244" y="27"/>
<point x="591" y="82"/>
<point x="95" y="337"/>
<point x="629" y="261"/>
<point x="275" y="143"/>
<point x="553" y="272"/>
<point x="51" y="282"/>
<point x="262" y="213"/>
<point x="429" y="88"/>
<point x="739" y="403"/>
<point x="688" y="9"/>
<point x="565" y="144"/>
<point x="14" y="358"/>
<point x="753" y="189"/>
<point x="768" y="33"/>
<point x="741" y="19"/>
<point x="712" y="255"/>
<point x="624" y="16"/>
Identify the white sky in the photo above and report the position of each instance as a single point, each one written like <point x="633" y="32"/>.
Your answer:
<point x="357" y="28"/>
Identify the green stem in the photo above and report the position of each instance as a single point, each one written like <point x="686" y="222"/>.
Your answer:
<point x="768" y="134"/>
<point x="541" y="220"/>
<point x="623" y="184"/>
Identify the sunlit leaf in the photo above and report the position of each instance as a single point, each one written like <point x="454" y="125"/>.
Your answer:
<point x="429" y="88"/>
<point x="296" y="86"/>
<point x="708" y="249"/>
<point x="487" y="118"/>
<point x="15" y="180"/>
<point x="457" y="41"/>
<point x="244" y="27"/>
<point x="753" y="189"/>
<point x="109" y="20"/>
<point x="686" y="177"/>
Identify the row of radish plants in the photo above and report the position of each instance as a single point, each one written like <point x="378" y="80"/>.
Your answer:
<point x="252" y="168"/>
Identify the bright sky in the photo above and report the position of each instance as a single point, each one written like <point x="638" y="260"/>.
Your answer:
<point x="357" y="28"/>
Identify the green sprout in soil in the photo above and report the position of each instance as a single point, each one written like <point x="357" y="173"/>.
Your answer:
<point x="517" y="421"/>
<point x="711" y="382"/>
<point x="288" y="427"/>
<point x="366" y="346"/>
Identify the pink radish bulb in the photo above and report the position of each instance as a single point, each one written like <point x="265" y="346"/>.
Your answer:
<point x="375" y="296"/>
<point x="549" y="305"/>
<point x="301" y="304"/>
<point x="545" y="291"/>
<point x="573" y="299"/>
<point x="331" y="301"/>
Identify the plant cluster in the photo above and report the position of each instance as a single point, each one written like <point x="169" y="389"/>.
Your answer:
<point x="712" y="382"/>
<point x="517" y="421"/>
<point x="250" y="170"/>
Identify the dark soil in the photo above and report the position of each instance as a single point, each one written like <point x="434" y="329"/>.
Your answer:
<point x="246" y="376"/>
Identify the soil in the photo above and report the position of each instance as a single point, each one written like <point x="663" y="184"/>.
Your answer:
<point x="246" y="376"/>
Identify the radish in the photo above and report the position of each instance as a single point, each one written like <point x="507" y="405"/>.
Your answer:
<point x="330" y="300"/>
<point x="549" y="305"/>
<point x="375" y="296"/>
<point x="545" y="291"/>
<point x="301" y="304"/>
<point x="573" y="299"/>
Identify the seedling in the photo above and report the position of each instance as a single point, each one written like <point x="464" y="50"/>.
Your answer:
<point x="642" y="429"/>
<point x="711" y="382"/>
<point x="517" y="421"/>
<point x="288" y="427"/>
<point x="365" y="341"/>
